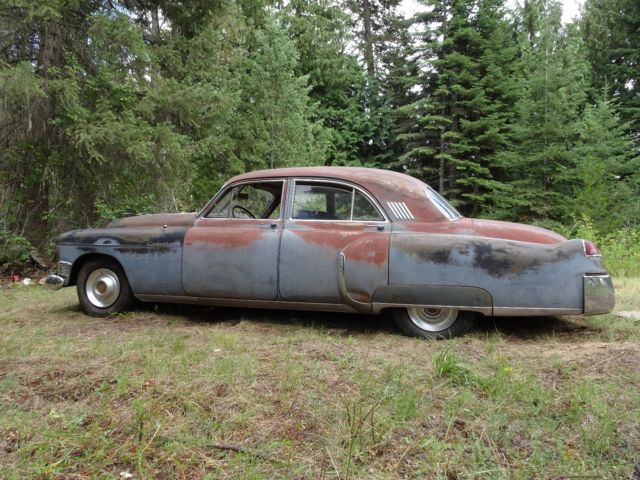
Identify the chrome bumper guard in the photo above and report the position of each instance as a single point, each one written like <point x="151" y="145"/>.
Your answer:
<point x="599" y="297"/>
<point x="56" y="281"/>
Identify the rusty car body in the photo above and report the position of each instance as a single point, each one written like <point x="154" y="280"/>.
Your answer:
<point x="335" y="239"/>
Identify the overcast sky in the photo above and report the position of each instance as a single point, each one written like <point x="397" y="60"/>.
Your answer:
<point x="570" y="8"/>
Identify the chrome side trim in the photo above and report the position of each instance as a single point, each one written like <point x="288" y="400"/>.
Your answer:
<point x="599" y="296"/>
<point x="344" y="293"/>
<point x="229" y="302"/>
<point x="533" y="312"/>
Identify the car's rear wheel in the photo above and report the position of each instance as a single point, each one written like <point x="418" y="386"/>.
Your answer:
<point x="103" y="288"/>
<point x="433" y="323"/>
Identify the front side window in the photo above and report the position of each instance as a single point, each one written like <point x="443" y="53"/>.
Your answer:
<point x="249" y="200"/>
<point x="325" y="201"/>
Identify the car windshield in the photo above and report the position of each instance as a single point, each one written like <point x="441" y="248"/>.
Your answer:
<point x="441" y="204"/>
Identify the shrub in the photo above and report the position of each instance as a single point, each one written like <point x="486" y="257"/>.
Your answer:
<point x="620" y="248"/>
<point x="15" y="250"/>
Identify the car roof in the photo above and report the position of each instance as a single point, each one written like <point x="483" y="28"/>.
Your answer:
<point x="388" y="187"/>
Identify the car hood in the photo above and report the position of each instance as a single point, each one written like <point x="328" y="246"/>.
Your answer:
<point x="160" y="219"/>
<point x="515" y="231"/>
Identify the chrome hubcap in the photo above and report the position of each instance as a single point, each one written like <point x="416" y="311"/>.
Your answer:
<point x="432" y="319"/>
<point x="102" y="288"/>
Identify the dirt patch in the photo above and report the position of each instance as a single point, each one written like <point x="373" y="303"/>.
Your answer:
<point x="526" y="329"/>
<point x="36" y="385"/>
<point x="97" y="327"/>
<point x="593" y="351"/>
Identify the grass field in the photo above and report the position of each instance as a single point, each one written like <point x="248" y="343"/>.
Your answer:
<point x="185" y="392"/>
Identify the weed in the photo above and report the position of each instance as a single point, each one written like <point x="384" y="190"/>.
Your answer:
<point x="160" y="394"/>
<point x="448" y="366"/>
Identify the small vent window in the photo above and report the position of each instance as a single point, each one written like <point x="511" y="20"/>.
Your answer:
<point x="441" y="204"/>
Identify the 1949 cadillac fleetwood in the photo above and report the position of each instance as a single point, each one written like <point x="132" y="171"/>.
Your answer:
<point x="335" y="239"/>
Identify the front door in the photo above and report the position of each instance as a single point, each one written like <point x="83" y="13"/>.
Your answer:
<point x="232" y="250"/>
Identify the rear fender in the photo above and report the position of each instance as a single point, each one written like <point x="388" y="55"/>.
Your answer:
<point x="516" y="275"/>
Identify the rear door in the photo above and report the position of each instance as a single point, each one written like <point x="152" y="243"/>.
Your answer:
<point x="326" y="219"/>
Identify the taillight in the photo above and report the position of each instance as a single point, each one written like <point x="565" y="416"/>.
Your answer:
<point x="590" y="250"/>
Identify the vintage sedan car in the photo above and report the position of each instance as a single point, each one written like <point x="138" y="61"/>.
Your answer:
<point x="335" y="239"/>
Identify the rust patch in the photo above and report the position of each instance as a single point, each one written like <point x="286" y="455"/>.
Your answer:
<point x="515" y="231"/>
<point x="464" y="226"/>
<point x="225" y="238"/>
<point x="371" y="250"/>
<point x="488" y="228"/>
<point x="335" y="240"/>
<point x="328" y="226"/>
<point x="359" y="246"/>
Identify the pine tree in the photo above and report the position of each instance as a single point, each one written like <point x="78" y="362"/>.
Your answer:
<point x="459" y="123"/>
<point x="539" y="166"/>
<point x="336" y="81"/>
<point x="607" y="169"/>
<point x="611" y="30"/>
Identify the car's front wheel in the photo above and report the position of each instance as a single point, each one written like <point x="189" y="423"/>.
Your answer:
<point x="433" y="323"/>
<point x="103" y="288"/>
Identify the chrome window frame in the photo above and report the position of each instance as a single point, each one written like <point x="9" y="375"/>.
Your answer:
<point x="291" y="194"/>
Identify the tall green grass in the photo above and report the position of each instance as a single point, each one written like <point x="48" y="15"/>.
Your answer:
<point x="620" y="249"/>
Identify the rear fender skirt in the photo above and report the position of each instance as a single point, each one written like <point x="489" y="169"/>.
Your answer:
<point x="436" y="296"/>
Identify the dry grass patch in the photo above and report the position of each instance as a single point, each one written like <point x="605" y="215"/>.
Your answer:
<point x="182" y="392"/>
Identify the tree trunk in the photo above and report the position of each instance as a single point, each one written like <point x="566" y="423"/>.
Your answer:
<point x="368" y="38"/>
<point x="441" y="167"/>
<point x="155" y="24"/>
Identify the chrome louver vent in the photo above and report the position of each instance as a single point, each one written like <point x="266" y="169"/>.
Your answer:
<point x="400" y="210"/>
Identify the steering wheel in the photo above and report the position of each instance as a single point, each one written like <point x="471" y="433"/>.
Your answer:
<point x="242" y="210"/>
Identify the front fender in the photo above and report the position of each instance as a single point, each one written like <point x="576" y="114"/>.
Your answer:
<point x="150" y="256"/>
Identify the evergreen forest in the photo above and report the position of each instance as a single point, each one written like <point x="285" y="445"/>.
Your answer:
<point x="114" y="106"/>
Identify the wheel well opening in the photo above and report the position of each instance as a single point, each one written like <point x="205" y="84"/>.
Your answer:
<point x="77" y="265"/>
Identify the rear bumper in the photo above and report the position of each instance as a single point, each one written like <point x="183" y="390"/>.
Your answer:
<point x="599" y="297"/>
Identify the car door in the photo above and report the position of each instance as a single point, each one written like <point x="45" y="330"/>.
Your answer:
<point x="332" y="229"/>
<point x="232" y="250"/>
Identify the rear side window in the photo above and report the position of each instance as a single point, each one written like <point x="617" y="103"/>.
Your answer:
<point x="363" y="209"/>
<point x="326" y="201"/>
